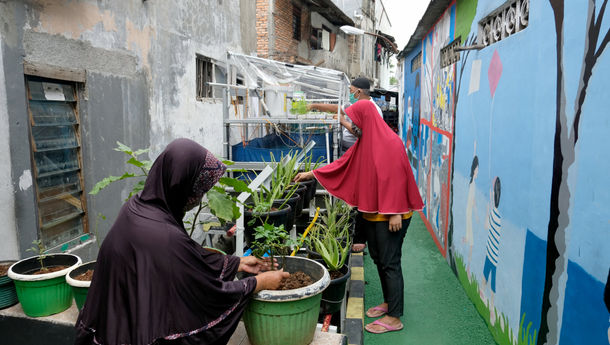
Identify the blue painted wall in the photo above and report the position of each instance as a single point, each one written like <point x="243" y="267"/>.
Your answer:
<point x="505" y="116"/>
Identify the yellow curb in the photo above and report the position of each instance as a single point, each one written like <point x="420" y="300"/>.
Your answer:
<point x="357" y="273"/>
<point x="355" y="308"/>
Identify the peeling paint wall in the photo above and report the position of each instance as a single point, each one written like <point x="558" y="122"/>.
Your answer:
<point x="139" y="59"/>
<point x="9" y="248"/>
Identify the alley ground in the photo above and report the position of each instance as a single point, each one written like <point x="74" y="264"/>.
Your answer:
<point x="437" y="310"/>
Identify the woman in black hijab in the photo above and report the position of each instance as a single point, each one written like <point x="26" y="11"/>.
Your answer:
<point x="152" y="283"/>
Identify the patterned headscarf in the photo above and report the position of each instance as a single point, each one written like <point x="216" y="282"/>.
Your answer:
<point x="210" y="173"/>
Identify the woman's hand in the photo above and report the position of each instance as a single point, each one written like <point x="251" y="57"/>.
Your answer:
<point x="270" y="280"/>
<point x="395" y="222"/>
<point x="304" y="176"/>
<point x="254" y="265"/>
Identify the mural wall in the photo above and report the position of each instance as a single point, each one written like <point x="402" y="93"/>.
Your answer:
<point x="516" y="130"/>
<point x="436" y="136"/>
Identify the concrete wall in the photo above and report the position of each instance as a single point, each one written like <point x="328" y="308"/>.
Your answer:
<point x="495" y="143"/>
<point x="139" y="59"/>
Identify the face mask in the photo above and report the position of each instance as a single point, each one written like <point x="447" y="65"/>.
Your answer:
<point x="352" y="98"/>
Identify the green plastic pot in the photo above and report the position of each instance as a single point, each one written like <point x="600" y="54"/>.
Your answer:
<point x="288" y="316"/>
<point x="43" y="294"/>
<point x="8" y="295"/>
<point x="80" y="288"/>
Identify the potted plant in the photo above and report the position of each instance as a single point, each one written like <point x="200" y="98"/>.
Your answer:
<point x="264" y="209"/>
<point x="8" y="295"/>
<point x="285" y="316"/>
<point x="331" y="241"/>
<point x="79" y="278"/>
<point x="40" y="281"/>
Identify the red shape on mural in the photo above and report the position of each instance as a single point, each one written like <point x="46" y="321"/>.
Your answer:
<point x="494" y="72"/>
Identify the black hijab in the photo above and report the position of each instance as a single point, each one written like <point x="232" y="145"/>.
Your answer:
<point x="152" y="283"/>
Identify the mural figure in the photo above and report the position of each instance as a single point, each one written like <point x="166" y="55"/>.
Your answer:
<point x="564" y="156"/>
<point x="471" y="208"/>
<point x="494" y="227"/>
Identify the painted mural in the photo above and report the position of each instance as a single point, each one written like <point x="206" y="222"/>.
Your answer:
<point x="409" y="123"/>
<point x="436" y="136"/>
<point x="528" y="223"/>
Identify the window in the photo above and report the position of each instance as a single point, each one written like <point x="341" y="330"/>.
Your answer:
<point x="416" y="63"/>
<point x="205" y="74"/>
<point x="448" y="54"/>
<point x="321" y="39"/>
<point x="296" y="23"/>
<point x="56" y="159"/>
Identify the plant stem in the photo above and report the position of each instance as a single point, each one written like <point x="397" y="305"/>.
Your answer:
<point x="195" y="219"/>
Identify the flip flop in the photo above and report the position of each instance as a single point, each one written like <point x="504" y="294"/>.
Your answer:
<point x="387" y="328"/>
<point x="381" y="309"/>
<point x="358" y="251"/>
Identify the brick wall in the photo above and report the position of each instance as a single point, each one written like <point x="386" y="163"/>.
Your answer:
<point x="285" y="47"/>
<point x="262" y="28"/>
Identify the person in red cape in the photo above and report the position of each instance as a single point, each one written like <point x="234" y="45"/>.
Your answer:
<point x="375" y="176"/>
<point x="152" y="283"/>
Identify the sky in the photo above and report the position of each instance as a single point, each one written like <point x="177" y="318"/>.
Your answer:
<point x="404" y="16"/>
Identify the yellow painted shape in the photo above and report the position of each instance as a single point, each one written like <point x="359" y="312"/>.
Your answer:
<point x="357" y="273"/>
<point x="355" y="308"/>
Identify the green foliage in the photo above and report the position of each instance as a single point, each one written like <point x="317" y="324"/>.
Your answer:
<point x="221" y="204"/>
<point x="271" y="239"/>
<point x="299" y="107"/>
<point x="39" y="249"/>
<point x="330" y="237"/>
<point x="143" y="165"/>
<point x="307" y="163"/>
<point x="393" y="81"/>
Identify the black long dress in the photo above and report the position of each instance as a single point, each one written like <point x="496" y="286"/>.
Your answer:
<point x="152" y="283"/>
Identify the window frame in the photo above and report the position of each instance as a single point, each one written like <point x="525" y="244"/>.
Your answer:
<point x="202" y="90"/>
<point x="66" y="196"/>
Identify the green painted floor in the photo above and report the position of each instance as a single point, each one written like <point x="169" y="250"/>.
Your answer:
<point x="437" y="310"/>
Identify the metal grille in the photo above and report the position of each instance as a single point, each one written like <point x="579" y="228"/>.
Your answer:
<point x="505" y="21"/>
<point x="56" y="160"/>
<point x="296" y="23"/>
<point x="448" y="55"/>
<point x="205" y="74"/>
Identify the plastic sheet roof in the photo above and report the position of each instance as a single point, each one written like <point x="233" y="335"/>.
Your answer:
<point x="314" y="82"/>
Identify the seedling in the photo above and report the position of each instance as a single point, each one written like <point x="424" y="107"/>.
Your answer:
<point x="39" y="249"/>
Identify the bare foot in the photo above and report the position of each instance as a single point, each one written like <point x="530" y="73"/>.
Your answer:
<point x="377" y="311"/>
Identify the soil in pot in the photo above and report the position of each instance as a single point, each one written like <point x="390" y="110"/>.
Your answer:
<point x="335" y="274"/>
<point x="4" y="269"/>
<point x="85" y="276"/>
<point x="48" y="270"/>
<point x="296" y="280"/>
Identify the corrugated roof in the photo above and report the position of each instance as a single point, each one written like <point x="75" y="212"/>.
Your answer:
<point x="433" y="12"/>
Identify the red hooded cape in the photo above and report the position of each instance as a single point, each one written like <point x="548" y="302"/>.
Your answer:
<point x="374" y="174"/>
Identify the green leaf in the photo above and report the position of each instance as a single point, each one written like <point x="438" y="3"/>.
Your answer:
<point x="123" y="148"/>
<point x="108" y="180"/>
<point x="220" y="205"/>
<point x="140" y="151"/>
<point x="135" y="162"/>
<point x="239" y="185"/>
<point x="228" y="162"/>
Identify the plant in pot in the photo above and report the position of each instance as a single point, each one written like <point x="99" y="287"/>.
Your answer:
<point x="331" y="241"/>
<point x="40" y="281"/>
<point x="8" y="295"/>
<point x="268" y="205"/>
<point x="285" y="316"/>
